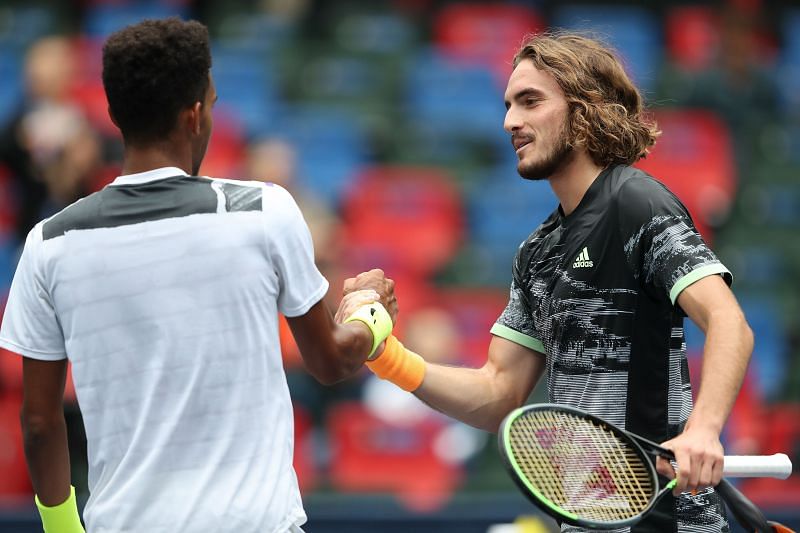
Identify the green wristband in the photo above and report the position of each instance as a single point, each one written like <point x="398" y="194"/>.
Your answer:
<point x="378" y="321"/>
<point x="61" y="518"/>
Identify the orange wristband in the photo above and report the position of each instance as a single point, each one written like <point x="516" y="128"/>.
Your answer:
<point x="399" y="365"/>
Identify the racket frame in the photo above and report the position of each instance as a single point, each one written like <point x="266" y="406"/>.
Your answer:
<point x="550" y="507"/>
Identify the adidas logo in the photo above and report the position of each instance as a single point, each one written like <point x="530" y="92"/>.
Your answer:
<point x="583" y="261"/>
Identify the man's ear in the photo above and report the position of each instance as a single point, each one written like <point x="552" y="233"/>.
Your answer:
<point x="196" y="117"/>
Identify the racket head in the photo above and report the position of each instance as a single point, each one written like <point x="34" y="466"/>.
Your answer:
<point x="576" y="467"/>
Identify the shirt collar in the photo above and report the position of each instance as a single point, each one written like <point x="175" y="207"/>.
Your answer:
<point x="150" y="175"/>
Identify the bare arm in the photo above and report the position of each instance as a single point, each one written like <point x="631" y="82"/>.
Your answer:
<point x="729" y="343"/>
<point x="482" y="396"/>
<point x="44" y="429"/>
<point x="330" y="351"/>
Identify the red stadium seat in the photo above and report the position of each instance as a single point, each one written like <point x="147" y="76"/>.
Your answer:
<point x="782" y="435"/>
<point x="692" y="36"/>
<point x="10" y="372"/>
<point x="8" y="203"/>
<point x="304" y="461"/>
<point x="484" y="33"/>
<point x="372" y="455"/>
<point x="408" y="220"/>
<point x="14" y="481"/>
<point x="694" y="158"/>
<point x="475" y="311"/>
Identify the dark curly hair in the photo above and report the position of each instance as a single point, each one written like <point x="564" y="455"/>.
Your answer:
<point x="607" y="113"/>
<point x="152" y="70"/>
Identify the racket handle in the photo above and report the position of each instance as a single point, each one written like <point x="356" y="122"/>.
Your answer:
<point x="778" y="466"/>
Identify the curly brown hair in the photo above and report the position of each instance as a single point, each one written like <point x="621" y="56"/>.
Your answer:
<point x="607" y="113"/>
<point x="152" y="70"/>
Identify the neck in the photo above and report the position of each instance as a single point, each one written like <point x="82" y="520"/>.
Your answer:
<point x="141" y="158"/>
<point x="572" y="181"/>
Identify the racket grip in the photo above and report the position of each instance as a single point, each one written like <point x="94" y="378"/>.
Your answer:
<point x="777" y="465"/>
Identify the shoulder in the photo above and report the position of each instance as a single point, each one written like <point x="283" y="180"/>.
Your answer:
<point x="252" y="195"/>
<point x="69" y="216"/>
<point x="630" y="183"/>
<point x="638" y="194"/>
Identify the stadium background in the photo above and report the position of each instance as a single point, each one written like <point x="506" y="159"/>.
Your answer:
<point x="384" y="119"/>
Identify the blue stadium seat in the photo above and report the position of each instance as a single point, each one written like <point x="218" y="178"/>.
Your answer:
<point x="454" y="96"/>
<point x="788" y="76"/>
<point x="245" y="85"/>
<point x="331" y="147"/>
<point x="634" y="31"/>
<point x="769" y="362"/>
<point x="9" y="250"/>
<point x="503" y="210"/>
<point x="11" y="83"/>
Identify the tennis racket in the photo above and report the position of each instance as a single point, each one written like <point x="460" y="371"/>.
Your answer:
<point x="584" y="471"/>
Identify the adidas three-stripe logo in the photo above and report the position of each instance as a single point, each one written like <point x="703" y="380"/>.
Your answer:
<point x="583" y="261"/>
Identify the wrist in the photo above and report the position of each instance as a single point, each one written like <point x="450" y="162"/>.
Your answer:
<point x="377" y="319"/>
<point x="399" y="365"/>
<point x="61" y="518"/>
<point x="703" y="422"/>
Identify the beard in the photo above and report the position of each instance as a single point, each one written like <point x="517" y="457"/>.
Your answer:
<point x="561" y="154"/>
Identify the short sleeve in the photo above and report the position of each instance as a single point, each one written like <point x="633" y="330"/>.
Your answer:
<point x="516" y="321"/>
<point x="301" y="283"/>
<point x="30" y="325"/>
<point x="662" y="247"/>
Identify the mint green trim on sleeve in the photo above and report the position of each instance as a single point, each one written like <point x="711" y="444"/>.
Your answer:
<point x="697" y="275"/>
<point x="517" y="337"/>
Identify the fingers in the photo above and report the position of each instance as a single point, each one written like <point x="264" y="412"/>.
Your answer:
<point x="683" y="472"/>
<point x="352" y="301"/>
<point x="699" y="463"/>
<point x="376" y="280"/>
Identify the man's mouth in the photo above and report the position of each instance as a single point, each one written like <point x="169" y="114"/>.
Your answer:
<point x="519" y="144"/>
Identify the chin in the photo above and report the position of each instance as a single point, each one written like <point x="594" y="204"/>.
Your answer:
<point x="533" y="172"/>
<point x="542" y="170"/>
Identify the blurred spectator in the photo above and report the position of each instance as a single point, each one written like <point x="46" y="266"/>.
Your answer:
<point x="49" y="147"/>
<point x="433" y="332"/>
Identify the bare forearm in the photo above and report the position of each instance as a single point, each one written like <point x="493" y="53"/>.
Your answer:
<point x="729" y="344"/>
<point x="353" y="343"/>
<point x="474" y="396"/>
<point x="47" y="455"/>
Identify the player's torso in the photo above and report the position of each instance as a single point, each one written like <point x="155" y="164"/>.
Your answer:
<point x="583" y="294"/>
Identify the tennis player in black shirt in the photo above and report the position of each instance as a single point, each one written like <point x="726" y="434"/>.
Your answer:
<point x="600" y="289"/>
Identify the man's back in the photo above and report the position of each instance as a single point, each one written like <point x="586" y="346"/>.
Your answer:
<point x="167" y="289"/>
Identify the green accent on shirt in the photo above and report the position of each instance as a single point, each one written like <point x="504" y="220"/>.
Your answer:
<point x="517" y="337"/>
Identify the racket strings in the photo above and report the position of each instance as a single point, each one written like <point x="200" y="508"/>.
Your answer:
<point x="580" y="466"/>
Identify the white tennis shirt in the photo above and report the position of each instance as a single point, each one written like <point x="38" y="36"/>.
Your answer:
<point x="163" y="290"/>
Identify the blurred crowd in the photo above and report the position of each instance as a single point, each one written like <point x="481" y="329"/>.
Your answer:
<point x="384" y="120"/>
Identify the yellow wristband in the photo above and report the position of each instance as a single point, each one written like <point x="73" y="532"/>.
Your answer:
<point x="61" y="518"/>
<point x="399" y="365"/>
<point x="378" y="321"/>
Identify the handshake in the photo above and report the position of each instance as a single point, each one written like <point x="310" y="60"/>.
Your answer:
<point x="369" y="298"/>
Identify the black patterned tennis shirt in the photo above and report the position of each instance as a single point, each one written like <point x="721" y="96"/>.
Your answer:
<point x="596" y="292"/>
